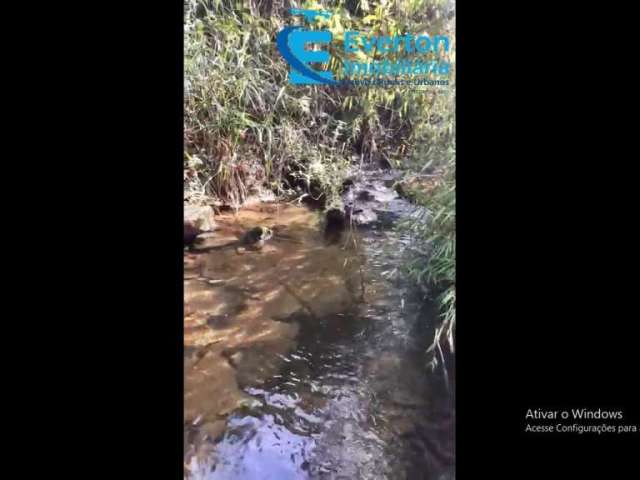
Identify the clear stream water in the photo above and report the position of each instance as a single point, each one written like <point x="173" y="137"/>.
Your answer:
<point x="354" y="399"/>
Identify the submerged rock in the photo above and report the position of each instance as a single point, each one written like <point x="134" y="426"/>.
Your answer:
<point x="335" y="219"/>
<point x="239" y="309"/>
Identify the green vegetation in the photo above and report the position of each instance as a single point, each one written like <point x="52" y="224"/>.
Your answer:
<point x="434" y="228"/>
<point x="246" y="129"/>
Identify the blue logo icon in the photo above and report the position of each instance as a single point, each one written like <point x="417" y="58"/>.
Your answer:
<point x="292" y="42"/>
<point x="390" y="60"/>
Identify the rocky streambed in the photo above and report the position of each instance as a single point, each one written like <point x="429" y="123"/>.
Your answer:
<point x="307" y="359"/>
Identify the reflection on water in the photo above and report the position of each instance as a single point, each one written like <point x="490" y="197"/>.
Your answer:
<point x="353" y="399"/>
<point x="260" y="447"/>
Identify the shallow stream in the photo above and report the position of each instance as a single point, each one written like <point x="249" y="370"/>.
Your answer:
<point x="349" y="395"/>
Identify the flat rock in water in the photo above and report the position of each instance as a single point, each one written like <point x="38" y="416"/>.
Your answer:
<point x="209" y="240"/>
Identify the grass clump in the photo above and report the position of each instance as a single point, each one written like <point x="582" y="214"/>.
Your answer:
<point x="433" y="264"/>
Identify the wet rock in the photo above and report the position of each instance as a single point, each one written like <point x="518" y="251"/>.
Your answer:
<point x="335" y="219"/>
<point x="197" y="219"/>
<point x="210" y="389"/>
<point x="213" y="241"/>
<point x="190" y="234"/>
<point x="212" y="430"/>
<point x="362" y="215"/>
<point x="346" y="185"/>
<point x="402" y="189"/>
<point x="370" y="198"/>
<point x="335" y="224"/>
<point x="365" y="195"/>
<point x="256" y="363"/>
<point x="205" y="236"/>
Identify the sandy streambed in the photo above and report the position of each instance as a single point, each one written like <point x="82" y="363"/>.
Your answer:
<point x="239" y="307"/>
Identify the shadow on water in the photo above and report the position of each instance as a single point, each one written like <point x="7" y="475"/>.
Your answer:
<point x="354" y="399"/>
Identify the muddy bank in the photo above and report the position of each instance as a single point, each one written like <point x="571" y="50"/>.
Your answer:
<point x="240" y="309"/>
